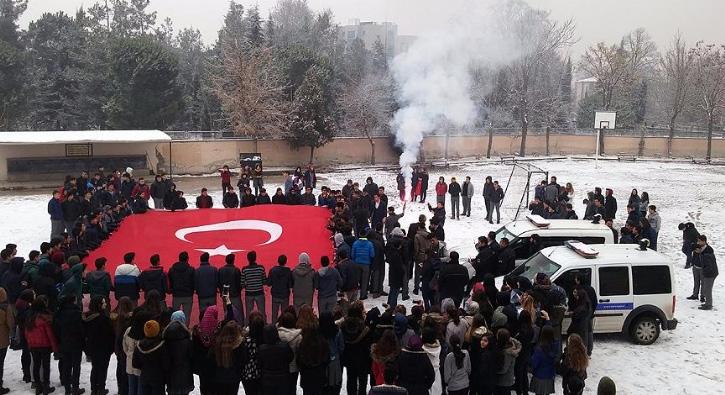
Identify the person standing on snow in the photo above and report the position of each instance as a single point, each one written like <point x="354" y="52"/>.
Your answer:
<point x="55" y="209"/>
<point x="467" y="194"/>
<point x="610" y="204"/>
<point x="304" y="282"/>
<point x="454" y="189"/>
<point x="204" y="200"/>
<point x="709" y="270"/>
<point x="496" y="199"/>
<point x="441" y="190"/>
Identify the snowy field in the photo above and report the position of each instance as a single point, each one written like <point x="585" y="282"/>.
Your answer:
<point x="684" y="361"/>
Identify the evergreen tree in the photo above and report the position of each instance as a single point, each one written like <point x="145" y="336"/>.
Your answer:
<point x="356" y="61"/>
<point x="269" y="31"/>
<point x="233" y="33"/>
<point x="379" y="57"/>
<point x="193" y="69"/>
<point x="12" y="62"/>
<point x="311" y="123"/>
<point x="255" y="37"/>
<point x="143" y="76"/>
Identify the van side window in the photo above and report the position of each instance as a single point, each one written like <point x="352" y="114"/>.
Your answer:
<point x="591" y="240"/>
<point x="649" y="280"/>
<point x="613" y="281"/>
<point x="553" y="241"/>
<point x="566" y="279"/>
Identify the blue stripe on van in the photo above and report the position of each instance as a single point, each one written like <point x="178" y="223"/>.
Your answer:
<point x="615" y="306"/>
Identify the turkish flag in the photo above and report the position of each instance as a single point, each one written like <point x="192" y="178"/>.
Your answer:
<point x="270" y="230"/>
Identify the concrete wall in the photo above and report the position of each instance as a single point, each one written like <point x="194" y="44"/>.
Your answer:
<point x="205" y="156"/>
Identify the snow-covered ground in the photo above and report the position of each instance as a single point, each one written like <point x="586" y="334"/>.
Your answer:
<point x="684" y="361"/>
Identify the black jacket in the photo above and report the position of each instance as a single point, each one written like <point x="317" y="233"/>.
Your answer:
<point x="99" y="336"/>
<point x="230" y="200"/>
<point x="506" y="261"/>
<point x="230" y="275"/>
<point x="274" y="361"/>
<point x="415" y="372"/>
<point x="68" y="328"/>
<point x="181" y="279"/>
<point x="610" y="207"/>
<point x="204" y="202"/>
<point x="394" y="255"/>
<point x="280" y="280"/>
<point x="206" y="280"/>
<point x="150" y="359"/>
<point x="350" y="274"/>
<point x="233" y="374"/>
<point x="178" y="352"/>
<point x="248" y="200"/>
<point x="356" y="354"/>
<point x="454" y="189"/>
<point x="706" y="260"/>
<point x="151" y="279"/>
<point x="452" y="281"/>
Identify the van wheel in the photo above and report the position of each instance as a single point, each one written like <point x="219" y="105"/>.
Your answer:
<point x="644" y="330"/>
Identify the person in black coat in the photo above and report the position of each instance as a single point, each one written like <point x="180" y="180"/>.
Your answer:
<point x="313" y="355"/>
<point x="181" y="284"/>
<point x="487" y="365"/>
<point x="150" y="359"/>
<point x="396" y="258"/>
<point x="178" y="349"/>
<point x="452" y="280"/>
<point x="279" y="197"/>
<point x="206" y="280"/>
<point x="580" y="308"/>
<point x="69" y="330"/>
<point x="230" y="199"/>
<point x="506" y="258"/>
<point x="415" y="371"/>
<point x="274" y="358"/>
<point x="99" y="342"/>
<point x="228" y="356"/>
<point x="356" y="354"/>
<point x="610" y="205"/>
<point x="204" y="200"/>
<point x="153" y="278"/>
<point x="231" y="277"/>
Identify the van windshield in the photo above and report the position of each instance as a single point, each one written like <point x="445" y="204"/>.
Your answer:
<point x="538" y="263"/>
<point x="503" y="232"/>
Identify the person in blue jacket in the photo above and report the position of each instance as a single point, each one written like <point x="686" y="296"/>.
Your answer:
<point x="363" y="253"/>
<point x="543" y="363"/>
<point x="55" y="209"/>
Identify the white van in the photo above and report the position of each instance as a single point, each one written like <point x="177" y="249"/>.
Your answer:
<point x="635" y="286"/>
<point x="552" y="232"/>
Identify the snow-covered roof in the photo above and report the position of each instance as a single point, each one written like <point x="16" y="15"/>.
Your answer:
<point x="590" y="79"/>
<point x="83" y="136"/>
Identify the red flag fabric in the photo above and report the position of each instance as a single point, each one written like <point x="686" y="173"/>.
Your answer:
<point x="270" y="230"/>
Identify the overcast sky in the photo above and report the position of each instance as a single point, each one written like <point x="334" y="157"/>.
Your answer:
<point x="596" y="20"/>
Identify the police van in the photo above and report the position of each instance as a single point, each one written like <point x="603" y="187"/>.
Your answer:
<point x="551" y="232"/>
<point x="635" y="285"/>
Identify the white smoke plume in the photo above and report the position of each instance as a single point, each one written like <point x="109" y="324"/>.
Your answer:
<point x="434" y="76"/>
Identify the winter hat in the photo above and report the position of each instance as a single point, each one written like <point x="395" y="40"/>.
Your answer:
<point x="304" y="258"/>
<point x="397" y="232"/>
<point x="400" y="324"/>
<point x="606" y="386"/>
<point x="178" y="315"/>
<point x="339" y="239"/>
<point x="151" y="329"/>
<point x="74" y="260"/>
<point x="415" y="344"/>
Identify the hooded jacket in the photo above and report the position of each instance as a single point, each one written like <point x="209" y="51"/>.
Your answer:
<point x="452" y="281"/>
<point x="350" y="274"/>
<point x="356" y="354"/>
<point x="150" y="359"/>
<point x="304" y="279"/>
<point x="415" y="371"/>
<point x="181" y="279"/>
<point x="41" y="335"/>
<point x="126" y="281"/>
<point x="329" y="282"/>
<point x="280" y="282"/>
<point x="68" y="328"/>
<point x="99" y="283"/>
<point x="99" y="336"/>
<point x="293" y="337"/>
<point x="12" y="280"/>
<point x="395" y="256"/>
<point x="505" y="372"/>
<point x="73" y="286"/>
<point x="153" y="278"/>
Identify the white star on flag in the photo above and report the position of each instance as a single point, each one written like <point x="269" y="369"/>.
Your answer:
<point x="221" y="250"/>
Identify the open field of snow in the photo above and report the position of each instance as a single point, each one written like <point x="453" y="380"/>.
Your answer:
<point x="684" y="361"/>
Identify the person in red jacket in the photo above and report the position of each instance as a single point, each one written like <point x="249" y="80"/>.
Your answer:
<point x="141" y="188"/>
<point x="441" y="190"/>
<point x="226" y="178"/>
<point x="41" y="342"/>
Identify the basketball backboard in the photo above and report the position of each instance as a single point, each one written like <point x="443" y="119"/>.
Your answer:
<point x="605" y="119"/>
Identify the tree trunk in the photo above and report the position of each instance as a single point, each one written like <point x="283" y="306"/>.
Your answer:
<point x="671" y="137"/>
<point x="312" y="153"/>
<point x="256" y="145"/>
<point x="448" y="135"/>
<point x="710" y="124"/>
<point x="372" y="150"/>
<point x="640" y="148"/>
<point x="548" y="132"/>
<point x="490" y="142"/>
<point x="524" y="132"/>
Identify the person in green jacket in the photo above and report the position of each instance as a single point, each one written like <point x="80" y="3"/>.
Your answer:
<point x="74" y="285"/>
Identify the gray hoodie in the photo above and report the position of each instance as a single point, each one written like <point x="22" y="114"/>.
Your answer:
<point x="305" y="281"/>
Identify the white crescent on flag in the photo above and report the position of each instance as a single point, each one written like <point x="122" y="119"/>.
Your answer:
<point x="273" y="229"/>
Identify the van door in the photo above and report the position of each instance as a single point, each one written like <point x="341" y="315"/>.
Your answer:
<point x="615" y="298"/>
<point x="566" y="281"/>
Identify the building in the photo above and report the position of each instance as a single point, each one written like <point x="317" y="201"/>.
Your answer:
<point x="583" y="88"/>
<point x="51" y="155"/>
<point x="369" y="32"/>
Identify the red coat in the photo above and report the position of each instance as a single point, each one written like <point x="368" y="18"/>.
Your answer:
<point x="144" y="190"/>
<point x="41" y="336"/>
<point x="441" y="188"/>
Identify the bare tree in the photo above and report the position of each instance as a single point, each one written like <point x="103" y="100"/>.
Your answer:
<point x="676" y="71"/>
<point x="709" y="84"/>
<point x="368" y="106"/>
<point x="251" y="92"/>
<point x="540" y="40"/>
